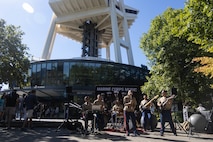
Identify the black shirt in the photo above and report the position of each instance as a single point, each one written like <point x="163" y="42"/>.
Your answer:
<point x="11" y="99"/>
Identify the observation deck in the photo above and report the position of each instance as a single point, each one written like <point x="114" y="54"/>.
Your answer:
<point x="95" y="23"/>
<point x="72" y="14"/>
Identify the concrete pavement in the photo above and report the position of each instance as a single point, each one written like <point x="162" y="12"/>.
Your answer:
<point x="46" y="131"/>
<point x="45" y="134"/>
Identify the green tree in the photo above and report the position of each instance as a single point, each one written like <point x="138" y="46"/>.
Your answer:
<point x="171" y="60"/>
<point x="14" y="62"/>
<point x="195" y="23"/>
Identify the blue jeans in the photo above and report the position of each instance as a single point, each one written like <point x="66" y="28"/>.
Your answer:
<point x="127" y="117"/>
<point x="146" y="118"/>
<point x="165" y="115"/>
<point x="99" y="121"/>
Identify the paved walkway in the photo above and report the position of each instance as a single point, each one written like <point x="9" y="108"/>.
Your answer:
<point x="64" y="135"/>
<point x="48" y="132"/>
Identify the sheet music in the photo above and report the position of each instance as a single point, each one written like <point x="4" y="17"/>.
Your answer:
<point x="96" y="107"/>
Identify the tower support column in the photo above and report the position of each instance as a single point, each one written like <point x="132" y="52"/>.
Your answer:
<point x="115" y="32"/>
<point x="50" y="40"/>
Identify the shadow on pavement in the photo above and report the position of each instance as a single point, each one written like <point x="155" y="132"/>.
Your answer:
<point x="31" y="135"/>
<point x="164" y="139"/>
<point x="51" y="135"/>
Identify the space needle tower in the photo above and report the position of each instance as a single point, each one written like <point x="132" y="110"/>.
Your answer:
<point x="95" y="23"/>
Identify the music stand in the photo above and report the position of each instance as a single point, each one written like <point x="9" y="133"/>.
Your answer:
<point x="95" y="109"/>
<point x="70" y="124"/>
<point x="66" y="116"/>
<point x="177" y="123"/>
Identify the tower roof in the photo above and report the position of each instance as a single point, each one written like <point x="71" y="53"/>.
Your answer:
<point x="72" y="14"/>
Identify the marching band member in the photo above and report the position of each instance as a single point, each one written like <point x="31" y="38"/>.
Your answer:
<point x="165" y="105"/>
<point x="87" y="111"/>
<point x="100" y="113"/>
<point x="146" y="117"/>
<point x="129" y="108"/>
<point x="117" y="110"/>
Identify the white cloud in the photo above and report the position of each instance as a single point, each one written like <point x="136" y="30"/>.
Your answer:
<point x="27" y="7"/>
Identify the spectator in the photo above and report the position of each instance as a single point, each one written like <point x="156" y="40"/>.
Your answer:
<point x="2" y="106"/>
<point x="200" y="108"/>
<point x="11" y="101"/>
<point x="21" y="107"/>
<point x="30" y="103"/>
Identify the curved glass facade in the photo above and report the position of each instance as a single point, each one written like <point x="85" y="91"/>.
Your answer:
<point x="84" y="75"/>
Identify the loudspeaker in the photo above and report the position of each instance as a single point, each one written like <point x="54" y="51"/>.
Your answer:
<point x="174" y="91"/>
<point x="69" y="89"/>
<point x="69" y="92"/>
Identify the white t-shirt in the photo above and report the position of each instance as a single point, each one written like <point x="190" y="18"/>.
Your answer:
<point x="200" y="108"/>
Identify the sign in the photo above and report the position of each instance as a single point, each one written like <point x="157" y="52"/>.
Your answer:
<point x="116" y="88"/>
<point x="185" y="113"/>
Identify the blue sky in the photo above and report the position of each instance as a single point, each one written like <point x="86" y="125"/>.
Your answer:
<point x="35" y="24"/>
